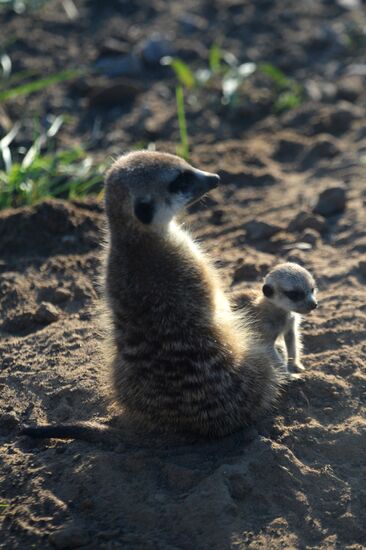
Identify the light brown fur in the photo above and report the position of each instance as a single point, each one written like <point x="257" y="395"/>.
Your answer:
<point x="181" y="358"/>
<point x="276" y="318"/>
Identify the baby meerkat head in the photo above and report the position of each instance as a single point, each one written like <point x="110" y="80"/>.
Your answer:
<point x="153" y="187"/>
<point x="291" y="287"/>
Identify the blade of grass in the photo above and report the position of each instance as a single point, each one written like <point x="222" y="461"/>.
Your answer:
<point x="215" y="57"/>
<point x="4" y="146"/>
<point x="6" y="65"/>
<point x="37" y="85"/>
<point x="182" y="71"/>
<point x="184" y="147"/>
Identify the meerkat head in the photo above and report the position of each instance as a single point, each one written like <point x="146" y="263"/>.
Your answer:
<point x="291" y="287"/>
<point x="151" y="187"/>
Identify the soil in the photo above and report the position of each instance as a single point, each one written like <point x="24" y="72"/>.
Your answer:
<point x="292" y="189"/>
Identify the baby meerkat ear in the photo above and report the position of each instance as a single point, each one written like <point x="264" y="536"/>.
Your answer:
<point x="144" y="211"/>
<point x="268" y="291"/>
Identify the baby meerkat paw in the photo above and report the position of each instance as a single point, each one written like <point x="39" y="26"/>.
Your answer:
<point x="296" y="367"/>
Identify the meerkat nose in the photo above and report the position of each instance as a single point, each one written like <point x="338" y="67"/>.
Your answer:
<point x="313" y="305"/>
<point x="208" y="179"/>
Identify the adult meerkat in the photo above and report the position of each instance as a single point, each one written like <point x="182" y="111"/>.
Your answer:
<point x="182" y="359"/>
<point x="287" y="293"/>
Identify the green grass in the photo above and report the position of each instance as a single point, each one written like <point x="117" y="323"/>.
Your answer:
<point x="44" y="172"/>
<point x="34" y="86"/>
<point x="183" y="149"/>
<point x="65" y="174"/>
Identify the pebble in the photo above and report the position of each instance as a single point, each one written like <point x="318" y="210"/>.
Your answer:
<point x="362" y="267"/>
<point x="306" y="220"/>
<point x="310" y="236"/>
<point x="155" y="48"/>
<point x="190" y="23"/>
<point x="246" y="272"/>
<point x="70" y="536"/>
<point x="260" y="230"/>
<point x="8" y="421"/>
<point x="109" y="93"/>
<point x="331" y="201"/>
<point x="113" y="66"/>
<point x="46" y="313"/>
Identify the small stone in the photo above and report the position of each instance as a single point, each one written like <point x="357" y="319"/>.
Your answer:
<point x="246" y="272"/>
<point x="310" y="236"/>
<point x="350" y="87"/>
<point x="54" y="295"/>
<point x="109" y="93"/>
<point x="115" y="47"/>
<point x="216" y="217"/>
<point x="112" y="66"/>
<point x="46" y="313"/>
<point x="8" y="421"/>
<point x="190" y="23"/>
<point x="260" y="230"/>
<point x="69" y="537"/>
<point x="331" y="201"/>
<point x="362" y="267"/>
<point x="155" y="48"/>
<point x="306" y="220"/>
<point x="323" y="148"/>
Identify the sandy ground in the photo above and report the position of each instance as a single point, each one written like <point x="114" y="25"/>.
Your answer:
<point x="297" y="480"/>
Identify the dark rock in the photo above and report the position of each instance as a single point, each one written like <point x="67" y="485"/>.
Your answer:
<point x="246" y="272"/>
<point x="288" y="150"/>
<point x="54" y="295"/>
<point x="69" y="537"/>
<point x="109" y="93"/>
<point x="46" y="314"/>
<point x="155" y="48"/>
<point x="324" y="148"/>
<point x="350" y="88"/>
<point x="8" y="421"/>
<point x="216" y="217"/>
<point x="306" y="220"/>
<point x="331" y="201"/>
<point x="112" y="46"/>
<point x="112" y="66"/>
<point x="190" y="23"/>
<point x="310" y="236"/>
<point x="260" y="230"/>
<point x="362" y="267"/>
<point x="337" y="119"/>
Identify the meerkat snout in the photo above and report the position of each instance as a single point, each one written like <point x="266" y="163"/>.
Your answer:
<point x="154" y="187"/>
<point x="291" y="288"/>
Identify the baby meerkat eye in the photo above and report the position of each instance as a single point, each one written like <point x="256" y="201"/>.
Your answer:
<point x="294" y="295"/>
<point x="181" y="184"/>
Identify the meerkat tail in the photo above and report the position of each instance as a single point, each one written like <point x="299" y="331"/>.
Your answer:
<point x="85" y="431"/>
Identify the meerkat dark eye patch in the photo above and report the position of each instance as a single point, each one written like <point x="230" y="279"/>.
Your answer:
<point x="181" y="184"/>
<point x="144" y="211"/>
<point x="294" y="295"/>
<point x="268" y="291"/>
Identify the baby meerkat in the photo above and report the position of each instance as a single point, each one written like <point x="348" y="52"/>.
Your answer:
<point x="287" y="293"/>
<point x="181" y="358"/>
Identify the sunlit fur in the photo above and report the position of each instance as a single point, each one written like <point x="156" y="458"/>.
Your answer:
<point x="182" y="358"/>
<point x="277" y="318"/>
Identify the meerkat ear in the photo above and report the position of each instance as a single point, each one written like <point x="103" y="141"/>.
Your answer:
<point x="144" y="211"/>
<point x="268" y="291"/>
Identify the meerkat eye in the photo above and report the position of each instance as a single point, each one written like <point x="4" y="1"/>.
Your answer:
<point x="144" y="211"/>
<point x="294" y="295"/>
<point x="181" y="184"/>
<point x="268" y="291"/>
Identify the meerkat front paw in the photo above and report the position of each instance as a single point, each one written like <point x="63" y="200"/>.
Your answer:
<point x="296" y="366"/>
